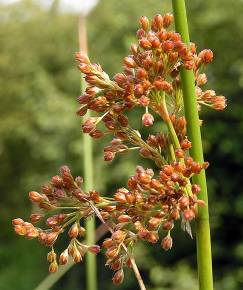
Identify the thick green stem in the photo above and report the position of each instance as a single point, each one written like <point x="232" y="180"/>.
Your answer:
<point x="204" y="257"/>
<point x="91" y="269"/>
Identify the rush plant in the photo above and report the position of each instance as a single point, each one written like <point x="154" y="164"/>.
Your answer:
<point x="153" y="201"/>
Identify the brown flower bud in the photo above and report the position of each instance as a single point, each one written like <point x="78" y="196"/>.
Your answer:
<point x="219" y="103"/>
<point x="144" y="22"/>
<point x="51" y="256"/>
<point x="189" y="214"/>
<point x="118" y="277"/>
<point x="196" y="188"/>
<point x="129" y="62"/>
<point x="168" y="225"/>
<point x="35" y="197"/>
<point x="57" y="181"/>
<point x="154" y="223"/>
<point x="77" y="257"/>
<point x="162" y="85"/>
<point x="20" y="230"/>
<point x="183" y="202"/>
<point x="179" y="153"/>
<point x="145" y="43"/>
<point x="95" y="249"/>
<point x="148" y="119"/>
<point x="158" y="21"/>
<point x="167" y="169"/>
<point x="17" y="222"/>
<point x="53" y="267"/>
<point x="73" y="231"/>
<point x="166" y="243"/>
<point x="201" y="79"/>
<point x="124" y="218"/>
<point x="186" y="144"/>
<point x="167" y="19"/>
<point x="206" y="56"/>
<point x="134" y="48"/>
<point x="118" y="236"/>
<point x="63" y="259"/>
<point x="107" y="243"/>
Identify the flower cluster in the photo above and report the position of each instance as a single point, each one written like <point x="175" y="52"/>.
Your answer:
<point x="153" y="200"/>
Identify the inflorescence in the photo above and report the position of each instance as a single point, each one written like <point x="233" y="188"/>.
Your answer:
<point x="152" y="201"/>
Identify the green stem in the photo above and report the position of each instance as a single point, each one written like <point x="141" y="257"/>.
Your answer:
<point x="204" y="257"/>
<point x="91" y="268"/>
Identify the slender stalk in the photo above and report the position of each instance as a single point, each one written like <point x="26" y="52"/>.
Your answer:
<point x="91" y="269"/>
<point x="204" y="257"/>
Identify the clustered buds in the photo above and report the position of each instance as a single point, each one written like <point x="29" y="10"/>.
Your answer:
<point x="153" y="202"/>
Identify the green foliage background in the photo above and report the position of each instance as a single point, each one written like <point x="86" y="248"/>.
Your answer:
<point x="40" y="132"/>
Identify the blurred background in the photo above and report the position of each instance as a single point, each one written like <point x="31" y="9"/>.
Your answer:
<point x="39" y="132"/>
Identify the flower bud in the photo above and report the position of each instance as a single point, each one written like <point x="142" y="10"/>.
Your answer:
<point x="168" y="225"/>
<point x="167" y="19"/>
<point x="179" y="153"/>
<point x="196" y="188"/>
<point x="51" y="256"/>
<point x="95" y="249"/>
<point x="118" y="236"/>
<point x="107" y="243"/>
<point x="53" y="267"/>
<point x="129" y="62"/>
<point x="206" y="56"/>
<point x="20" y="230"/>
<point x="148" y="119"/>
<point x="144" y="22"/>
<point x="189" y="214"/>
<point x="35" y="197"/>
<point x="145" y="43"/>
<point x="35" y="217"/>
<point x="118" y="277"/>
<point x="201" y="79"/>
<point x="183" y="202"/>
<point x="63" y="259"/>
<point x="57" y="181"/>
<point x="73" y="231"/>
<point x="166" y="243"/>
<point x="124" y="218"/>
<point x="17" y="222"/>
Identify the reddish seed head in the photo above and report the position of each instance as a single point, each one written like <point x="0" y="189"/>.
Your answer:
<point x="148" y="119"/>
<point x="167" y="169"/>
<point x="107" y="243"/>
